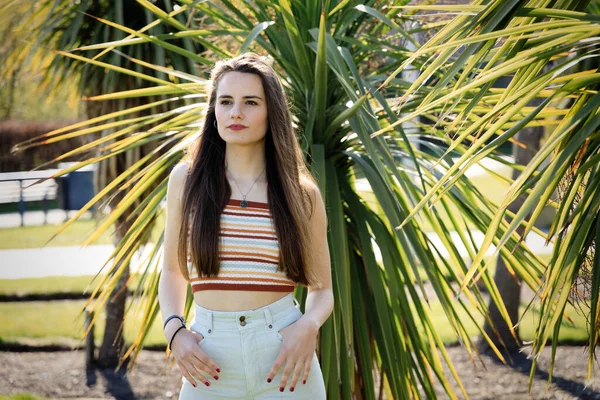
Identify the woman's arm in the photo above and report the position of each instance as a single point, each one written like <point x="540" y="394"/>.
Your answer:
<point x="319" y="301"/>
<point x="299" y="345"/>
<point x="172" y="289"/>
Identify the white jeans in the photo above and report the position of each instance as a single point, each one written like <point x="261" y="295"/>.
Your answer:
<point x="245" y="351"/>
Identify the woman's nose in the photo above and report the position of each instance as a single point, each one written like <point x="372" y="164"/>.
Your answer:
<point x="236" y="112"/>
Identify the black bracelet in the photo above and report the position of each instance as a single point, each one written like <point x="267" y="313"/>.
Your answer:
<point x="171" y="317"/>
<point x="172" y="337"/>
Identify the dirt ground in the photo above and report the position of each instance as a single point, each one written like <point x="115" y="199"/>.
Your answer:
<point x="63" y="375"/>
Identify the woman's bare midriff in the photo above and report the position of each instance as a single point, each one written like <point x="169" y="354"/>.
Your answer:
<point x="235" y="300"/>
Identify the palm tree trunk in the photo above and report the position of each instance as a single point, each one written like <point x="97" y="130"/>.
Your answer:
<point x="509" y="286"/>
<point x="112" y="342"/>
<point x="108" y="170"/>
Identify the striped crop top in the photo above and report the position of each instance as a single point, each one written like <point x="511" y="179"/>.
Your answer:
<point x="248" y="252"/>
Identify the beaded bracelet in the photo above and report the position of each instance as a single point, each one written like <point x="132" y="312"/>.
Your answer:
<point x="173" y="337"/>
<point x="171" y="317"/>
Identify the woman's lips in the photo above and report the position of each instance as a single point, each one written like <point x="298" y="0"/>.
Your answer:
<point x="237" y="127"/>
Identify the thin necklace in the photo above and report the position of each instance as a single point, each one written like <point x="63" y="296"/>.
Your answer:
<point x="244" y="203"/>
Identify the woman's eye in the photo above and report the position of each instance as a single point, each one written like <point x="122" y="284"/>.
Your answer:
<point x="225" y="102"/>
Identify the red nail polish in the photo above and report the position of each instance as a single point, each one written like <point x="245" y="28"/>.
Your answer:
<point x="269" y="380"/>
<point x="304" y="382"/>
<point x="291" y="389"/>
<point x="207" y="383"/>
<point x="216" y="377"/>
<point x="281" y="389"/>
<point x="218" y="370"/>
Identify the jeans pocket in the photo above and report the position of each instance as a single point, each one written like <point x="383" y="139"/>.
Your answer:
<point x="286" y="321"/>
<point x="200" y="329"/>
<point x="279" y="335"/>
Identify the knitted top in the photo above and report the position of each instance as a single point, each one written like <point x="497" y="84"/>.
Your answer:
<point x="248" y="252"/>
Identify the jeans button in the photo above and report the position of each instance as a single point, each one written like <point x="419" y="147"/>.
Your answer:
<point x="243" y="323"/>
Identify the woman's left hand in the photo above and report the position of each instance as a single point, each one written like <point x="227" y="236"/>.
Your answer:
<point x="297" y="351"/>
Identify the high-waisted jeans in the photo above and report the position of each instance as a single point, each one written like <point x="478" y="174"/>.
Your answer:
<point x="245" y="350"/>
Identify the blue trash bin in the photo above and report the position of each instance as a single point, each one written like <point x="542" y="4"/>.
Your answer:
<point x="76" y="188"/>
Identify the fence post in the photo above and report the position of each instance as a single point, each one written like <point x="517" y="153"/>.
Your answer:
<point x="45" y="207"/>
<point x="21" y="202"/>
<point x="89" y="339"/>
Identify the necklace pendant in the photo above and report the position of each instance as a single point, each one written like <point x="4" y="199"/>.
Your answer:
<point x="244" y="204"/>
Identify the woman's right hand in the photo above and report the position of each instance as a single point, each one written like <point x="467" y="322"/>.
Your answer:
<point x="191" y="359"/>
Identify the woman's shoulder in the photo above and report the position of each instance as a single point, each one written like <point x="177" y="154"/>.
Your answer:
<point x="176" y="183"/>
<point x="310" y="186"/>
<point x="179" y="172"/>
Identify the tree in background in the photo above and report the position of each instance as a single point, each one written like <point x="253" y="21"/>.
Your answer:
<point x="527" y="144"/>
<point x="550" y="52"/>
<point x="39" y="32"/>
<point x="340" y="63"/>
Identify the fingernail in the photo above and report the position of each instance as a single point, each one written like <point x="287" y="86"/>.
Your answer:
<point x="291" y="389"/>
<point x="304" y="382"/>
<point x="269" y="380"/>
<point x="218" y="370"/>
<point x="207" y="383"/>
<point x="216" y="377"/>
<point x="281" y="389"/>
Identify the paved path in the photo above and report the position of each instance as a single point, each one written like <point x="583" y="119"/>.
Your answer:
<point x="73" y="261"/>
<point x="59" y="261"/>
<point x="54" y="216"/>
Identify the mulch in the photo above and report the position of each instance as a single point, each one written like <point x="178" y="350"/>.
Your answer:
<point x="63" y="374"/>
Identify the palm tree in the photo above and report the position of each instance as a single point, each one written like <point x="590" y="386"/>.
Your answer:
<point x="340" y="63"/>
<point x="521" y="39"/>
<point x="64" y="25"/>
<point x="509" y="285"/>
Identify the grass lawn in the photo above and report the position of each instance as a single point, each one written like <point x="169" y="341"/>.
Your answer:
<point x="569" y="333"/>
<point x="47" y="285"/>
<point x="53" y="322"/>
<point x="28" y="237"/>
<point x="60" y="322"/>
<point x="493" y="188"/>
<point x="54" y="285"/>
<point x="22" y="396"/>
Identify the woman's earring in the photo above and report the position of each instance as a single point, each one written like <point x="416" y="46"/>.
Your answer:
<point x="215" y="123"/>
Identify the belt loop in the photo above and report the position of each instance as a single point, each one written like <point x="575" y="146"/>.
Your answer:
<point x="210" y="322"/>
<point x="268" y="318"/>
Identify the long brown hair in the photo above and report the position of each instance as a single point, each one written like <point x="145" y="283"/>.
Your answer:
<point x="207" y="189"/>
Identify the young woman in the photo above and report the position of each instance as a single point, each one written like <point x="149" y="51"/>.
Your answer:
<point x="245" y="225"/>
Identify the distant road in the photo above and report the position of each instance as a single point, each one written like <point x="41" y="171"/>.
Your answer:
<point x="74" y="260"/>
<point x="57" y="261"/>
<point x="36" y="217"/>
